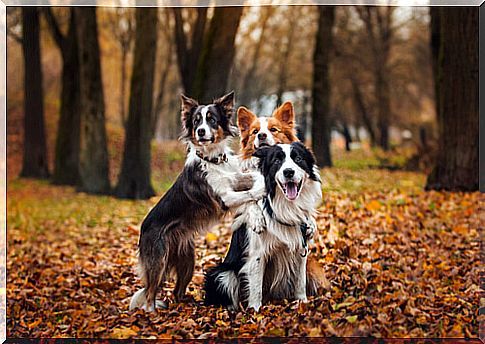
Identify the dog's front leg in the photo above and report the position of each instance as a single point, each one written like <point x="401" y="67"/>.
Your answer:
<point x="255" y="218"/>
<point x="255" y="275"/>
<point x="233" y="199"/>
<point x="300" y="283"/>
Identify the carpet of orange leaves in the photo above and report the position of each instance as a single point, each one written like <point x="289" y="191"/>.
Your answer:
<point x="401" y="263"/>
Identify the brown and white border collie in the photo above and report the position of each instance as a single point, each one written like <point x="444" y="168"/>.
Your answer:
<point x="257" y="131"/>
<point x="200" y="196"/>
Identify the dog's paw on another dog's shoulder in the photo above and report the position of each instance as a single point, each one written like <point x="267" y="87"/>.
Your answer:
<point x="243" y="182"/>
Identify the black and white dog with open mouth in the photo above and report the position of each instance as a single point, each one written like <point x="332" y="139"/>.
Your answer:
<point x="211" y="184"/>
<point x="271" y="265"/>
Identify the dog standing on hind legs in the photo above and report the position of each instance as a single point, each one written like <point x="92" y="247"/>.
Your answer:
<point x="201" y="195"/>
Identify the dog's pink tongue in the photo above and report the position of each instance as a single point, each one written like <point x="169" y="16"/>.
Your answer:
<point x="291" y="191"/>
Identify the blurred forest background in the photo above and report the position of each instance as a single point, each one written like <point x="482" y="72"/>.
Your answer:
<point x="93" y="93"/>
<point x="387" y="97"/>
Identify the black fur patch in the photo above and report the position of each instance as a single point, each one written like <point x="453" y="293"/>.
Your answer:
<point x="306" y="161"/>
<point x="234" y="261"/>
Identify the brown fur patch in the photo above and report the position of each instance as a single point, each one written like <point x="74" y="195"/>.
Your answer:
<point x="282" y="119"/>
<point x="219" y="135"/>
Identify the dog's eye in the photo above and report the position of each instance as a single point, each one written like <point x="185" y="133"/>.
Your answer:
<point x="297" y="159"/>
<point x="273" y="130"/>
<point x="212" y="120"/>
<point x="255" y="131"/>
<point x="277" y="162"/>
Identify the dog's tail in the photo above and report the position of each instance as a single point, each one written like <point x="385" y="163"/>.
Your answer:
<point x="315" y="276"/>
<point x="221" y="286"/>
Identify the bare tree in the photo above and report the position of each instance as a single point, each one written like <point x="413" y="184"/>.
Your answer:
<point x="189" y="45"/>
<point x="93" y="158"/>
<point x="456" y="166"/>
<point x="35" y="163"/>
<point x="321" y="87"/>
<point x="217" y="54"/>
<point x="164" y="70"/>
<point x="378" y="26"/>
<point x="66" y="166"/>
<point x="287" y="44"/>
<point x="134" y="180"/>
<point x="246" y="91"/>
<point x="121" y="26"/>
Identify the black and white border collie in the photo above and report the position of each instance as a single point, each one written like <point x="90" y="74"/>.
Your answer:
<point x="200" y="196"/>
<point x="272" y="264"/>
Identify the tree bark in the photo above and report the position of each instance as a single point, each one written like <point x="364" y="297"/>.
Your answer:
<point x="93" y="158"/>
<point x="456" y="167"/>
<point x="285" y="56"/>
<point x="435" y="32"/>
<point x="321" y="87"/>
<point x="361" y="107"/>
<point x="217" y="55"/>
<point x="378" y="24"/>
<point x="66" y="166"/>
<point x="35" y="163"/>
<point x="124" y="58"/>
<point x="188" y="57"/>
<point x="134" y="180"/>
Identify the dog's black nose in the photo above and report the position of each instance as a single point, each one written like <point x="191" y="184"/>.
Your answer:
<point x="262" y="136"/>
<point x="201" y="132"/>
<point x="288" y="173"/>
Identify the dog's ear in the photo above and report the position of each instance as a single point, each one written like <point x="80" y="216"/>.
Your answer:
<point x="285" y="114"/>
<point x="244" y="119"/>
<point x="309" y="158"/>
<point x="262" y="152"/>
<point x="188" y="103"/>
<point x="227" y="103"/>
<point x="187" y="107"/>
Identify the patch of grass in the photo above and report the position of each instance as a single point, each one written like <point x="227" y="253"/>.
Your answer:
<point x="363" y="180"/>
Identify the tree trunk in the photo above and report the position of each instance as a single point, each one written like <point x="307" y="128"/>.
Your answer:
<point x="247" y="94"/>
<point x="456" y="167"/>
<point x="35" y="163"/>
<point x="434" y="12"/>
<point x="378" y="24"/>
<point x="321" y="87"/>
<point x="66" y="167"/>
<point x="360" y="105"/>
<point x="124" y="57"/>
<point x="134" y="181"/>
<point x="383" y="105"/>
<point x="93" y="158"/>
<point x="347" y="136"/>
<point x="217" y="55"/>
<point x="188" y="57"/>
<point x="285" y="56"/>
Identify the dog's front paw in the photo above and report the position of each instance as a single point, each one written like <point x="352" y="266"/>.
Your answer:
<point x="301" y="298"/>
<point x="255" y="219"/>
<point x="310" y="228"/>
<point x="259" y="225"/>
<point x="243" y="182"/>
<point x="256" y="306"/>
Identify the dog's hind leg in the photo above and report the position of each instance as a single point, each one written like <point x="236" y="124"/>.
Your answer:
<point x="184" y="267"/>
<point x="153" y="264"/>
<point x="300" y="276"/>
<point x="254" y="271"/>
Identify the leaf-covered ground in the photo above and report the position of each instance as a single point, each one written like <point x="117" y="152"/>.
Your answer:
<point x="401" y="263"/>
